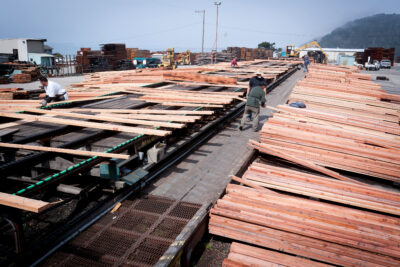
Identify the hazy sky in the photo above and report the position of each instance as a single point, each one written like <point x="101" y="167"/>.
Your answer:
<point x="159" y="24"/>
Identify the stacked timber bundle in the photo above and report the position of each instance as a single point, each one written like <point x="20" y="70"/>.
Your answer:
<point x="34" y="72"/>
<point x="309" y="193"/>
<point x="353" y="130"/>
<point x="13" y="93"/>
<point x="208" y="58"/>
<point x="21" y="78"/>
<point x="313" y="229"/>
<point x="378" y="53"/>
<point x="244" y="255"/>
<point x="131" y="53"/>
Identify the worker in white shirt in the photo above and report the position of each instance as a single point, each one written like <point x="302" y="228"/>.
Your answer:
<point x="54" y="91"/>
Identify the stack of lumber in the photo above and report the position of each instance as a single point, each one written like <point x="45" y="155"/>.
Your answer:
<point x="353" y="130"/>
<point x="13" y="93"/>
<point x="378" y="53"/>
<point x="241" y="255"/>
<point x="305" y="205"/>
<point x="34" y="72"/>
<point x="4" y="80"/>
<point x="114" y="53"/>
<point x="208" y="58"/>
<point x="187" y="76"/>
<point x="21" y="78"/>
<point x="136" y="52"/>
<point x="216" y="74"/>
<point x="311" y="185"/>
<point x="316" y="230"/>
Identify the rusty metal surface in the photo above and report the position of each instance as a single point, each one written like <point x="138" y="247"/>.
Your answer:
<point x="137" y="234"/>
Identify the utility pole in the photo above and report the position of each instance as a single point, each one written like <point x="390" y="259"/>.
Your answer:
<point x="216" y="32"/>
<point x="204" y="20"/>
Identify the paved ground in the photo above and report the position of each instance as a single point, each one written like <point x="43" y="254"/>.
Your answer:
<point x="64" y="81"/>
<point x="392" y="85"/>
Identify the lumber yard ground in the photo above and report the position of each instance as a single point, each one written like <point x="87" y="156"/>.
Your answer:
<point x="393" y="74"/>
<point x="201" y="177"/>
<point x="175" y="196"/>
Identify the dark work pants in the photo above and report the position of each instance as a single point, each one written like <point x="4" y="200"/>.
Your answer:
<point x="253" y="111"/>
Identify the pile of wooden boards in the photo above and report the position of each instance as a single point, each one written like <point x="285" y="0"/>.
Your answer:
<point x="299" y="201"/>
<point x="313" y="229"/>
<point x="342" y="130"/>
<point x="21" y="78"/>
<point x="13" y="93"/>
<point x="216" y="74"/>
<point x="241" y="255"/>
<point x="28" y="74"/>
<point x="136" y="52"/>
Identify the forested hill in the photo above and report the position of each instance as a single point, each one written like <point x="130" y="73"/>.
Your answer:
<point x="382" y="30"/>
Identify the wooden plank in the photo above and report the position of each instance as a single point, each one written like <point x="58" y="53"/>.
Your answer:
<point x="140" y="111"/>
<point x="107" y="118"/>
<point x="273" y="151"/>
<point x="65" y="151"/>
<point x="23" y="203"/>
<point x="207" y="84"/>
<point x="95" y="125"/>
<point x="194" y="99"/>
<point x="187" y="76"/>
<point x="272" y="256"/>
<point x="178" y="118"/>
<point x="181" y="104"/>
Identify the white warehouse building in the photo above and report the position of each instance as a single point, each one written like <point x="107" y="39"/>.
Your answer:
<point x="27" y="49"/>
<point x="333" y="54"/>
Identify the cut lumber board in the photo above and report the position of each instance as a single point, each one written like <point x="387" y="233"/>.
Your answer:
<point x="193" y="99"/>
<point x="23" y="203"/>
<point x="80" y="123"/>
<point x="107" y="118"/>
<point x="186" y="76"/>
<point x="272" y="256"/>
<point x="65" y="151"/>
<point x="207" y="84"/>
<point x="275" y="152"/>
<point x="140" y="111"/>
<point x="152" y="117"/>
<point x="323" y="188"/>
<point x="181" y="104"/>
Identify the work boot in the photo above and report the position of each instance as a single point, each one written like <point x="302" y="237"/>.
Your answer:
<point x="240" y="128"/>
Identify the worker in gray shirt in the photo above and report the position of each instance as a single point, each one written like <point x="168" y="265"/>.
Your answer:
<point x="254" y="99"/>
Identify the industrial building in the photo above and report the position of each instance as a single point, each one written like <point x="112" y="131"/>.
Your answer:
<point x="334" y="55"/>
<point x="27" y="49"/>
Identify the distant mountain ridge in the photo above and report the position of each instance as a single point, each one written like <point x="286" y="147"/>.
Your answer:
<point x="381" y="30"/>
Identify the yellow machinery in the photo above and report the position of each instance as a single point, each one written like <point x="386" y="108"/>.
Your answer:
<point x="168" y="60"/>
<point x="184" y="58"/>
<point x="292" y="52"/>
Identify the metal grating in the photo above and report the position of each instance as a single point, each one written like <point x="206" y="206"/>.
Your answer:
<point x="137" y="234"/>
<point x="135" y="221"/>
<point x="112" y="242"/>
<point x="184" y="210"/>
<point x="149" y="251"/>
<point x="153" y="205"/>
<point x="168" y="228"/>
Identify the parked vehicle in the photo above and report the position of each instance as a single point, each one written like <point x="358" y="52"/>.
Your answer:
<point x="374" y="65"/>
<point x="140" y="62"/>
<point x="358" y="65"/>
<point x="385" y="63"/>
